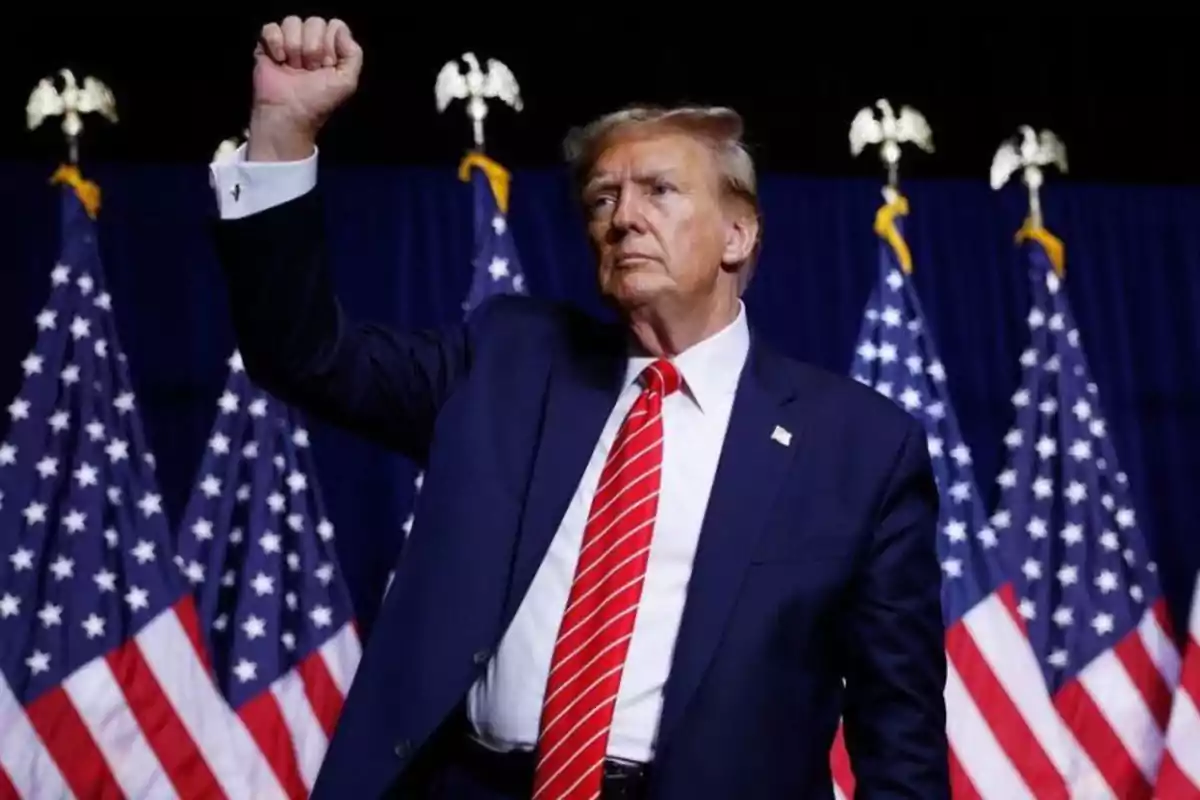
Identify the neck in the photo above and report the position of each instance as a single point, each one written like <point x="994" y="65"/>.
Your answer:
<point x="663" y="330"/>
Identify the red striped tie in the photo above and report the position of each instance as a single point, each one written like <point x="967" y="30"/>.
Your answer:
<point x="589" y="655"/>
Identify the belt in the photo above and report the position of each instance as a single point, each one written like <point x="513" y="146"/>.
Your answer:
<point x="512" y="772"/>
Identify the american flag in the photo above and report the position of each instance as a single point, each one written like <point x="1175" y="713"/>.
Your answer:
<point x="496" y="267"/>
<point x="996" y="706"/>
<point x="1088" y="590"/>
<point x="104" y="687"/>
<point x="1179" y="774"/>
<point x="257" y="547"/>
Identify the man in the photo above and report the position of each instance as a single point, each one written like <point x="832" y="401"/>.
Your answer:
<point x="683" y="555"/>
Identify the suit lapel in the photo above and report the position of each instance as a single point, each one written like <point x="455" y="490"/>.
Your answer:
<point x="751" y="468"/>
<point x="580" y="396"/>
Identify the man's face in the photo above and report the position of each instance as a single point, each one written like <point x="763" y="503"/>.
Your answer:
<point x="656" y="221"/>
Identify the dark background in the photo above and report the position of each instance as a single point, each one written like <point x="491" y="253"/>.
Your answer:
<point x="1118" y="87"/>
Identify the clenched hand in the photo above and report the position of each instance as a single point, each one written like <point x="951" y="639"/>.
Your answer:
<point x="303" y="71"/>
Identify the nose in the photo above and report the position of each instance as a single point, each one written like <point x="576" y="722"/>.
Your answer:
<point x="627" y="215"/>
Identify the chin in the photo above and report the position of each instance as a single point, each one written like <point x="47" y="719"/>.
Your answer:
<point x="633" y="291"/>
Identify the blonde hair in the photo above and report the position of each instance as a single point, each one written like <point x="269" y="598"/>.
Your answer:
<point x="720" y="129"/>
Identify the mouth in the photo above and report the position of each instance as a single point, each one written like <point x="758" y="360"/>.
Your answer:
<point x="632" y="259"/>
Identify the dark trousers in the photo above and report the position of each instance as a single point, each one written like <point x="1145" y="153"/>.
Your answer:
<point x="453" y="767"/>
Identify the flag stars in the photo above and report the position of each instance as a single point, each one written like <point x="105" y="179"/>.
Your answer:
<point x="32" y="364"/>
<point x="93" y="626"/>
<point x="105" y="581"/>
<point x="498" y="268"/>
<point x="8" y="455"/>
<point x="124" y="403"/>
<point x="297" y="482"/>
<point x="228" y="403"/>
<point x="60" y="421"/>
<point x="321" y="616"/>
<point x="80" y="328"/>
<point x="150" y="504"/>
<point x="18" y="409"/>
<point x="211" y="486"/>
<point x="10" y="606"/>
<point x="62" y="568"/>
<point x="86" y="475"/>
<point x="262" y="584"/>
<point x="75" y="521"/>
<point x="1103" y="623"/>
<point x="143" y="552"/>
<point x="245" y="670"/>
<point x="38" y="662"/>
<point x="21" y="559"/>
<point x="137" y="598"/>
<point x="50" y="615"/>
<point x="254" y="627"/>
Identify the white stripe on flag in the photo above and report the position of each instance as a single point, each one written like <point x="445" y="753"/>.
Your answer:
<point x="101" y="703"/>
<point x="232" y="754"/>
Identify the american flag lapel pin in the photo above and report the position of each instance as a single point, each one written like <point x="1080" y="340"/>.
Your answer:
<point x="782" y="435"/>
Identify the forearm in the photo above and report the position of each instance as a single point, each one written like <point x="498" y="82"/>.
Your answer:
<point x="293" y="337"/>
<point x="894" y="713"/>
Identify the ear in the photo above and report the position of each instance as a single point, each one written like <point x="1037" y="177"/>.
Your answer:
<point x="741" y="235"/>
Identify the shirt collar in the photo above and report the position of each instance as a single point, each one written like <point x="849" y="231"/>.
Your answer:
<point x="710" y="368"/>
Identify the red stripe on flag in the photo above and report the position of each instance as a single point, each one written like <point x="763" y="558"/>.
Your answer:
<point x="1173" y="784"/>
<point x="70" y="744"/>
<point x="7" y="790"/>
<point x="839" y="763"/>
<point x="269" y="729"/>
<point x="961" y="787"/>
<point x="1002" y="716"/>
<point x="189" y="620"/>
<point x="1131" y="652"/>
<point x="177" y="753"/>
<point x="1100" y="742"/>
<point x="323" y="694"/>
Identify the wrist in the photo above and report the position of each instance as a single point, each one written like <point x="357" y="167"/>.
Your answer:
<point x="275" y="135"/>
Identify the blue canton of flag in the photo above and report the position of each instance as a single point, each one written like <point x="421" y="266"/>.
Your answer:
<point x="1089" y="591"/>
<point x="897" y="357"/>
<point x="496" y="265"/>
<point x="497" y="268"/>
<point x="103" y="687"/>
<point x="257" y="546"/>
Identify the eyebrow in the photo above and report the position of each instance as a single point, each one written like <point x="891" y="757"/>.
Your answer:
<point x="646" y="176"/>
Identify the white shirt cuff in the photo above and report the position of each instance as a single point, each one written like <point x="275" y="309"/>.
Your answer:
<point x="246" y="187"/>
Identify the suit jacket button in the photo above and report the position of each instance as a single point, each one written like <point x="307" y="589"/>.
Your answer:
<point x="403" y="748"/>
<point x="481" y="656"/>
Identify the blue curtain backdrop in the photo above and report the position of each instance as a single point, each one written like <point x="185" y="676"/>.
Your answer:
<point x="401" y="243"/>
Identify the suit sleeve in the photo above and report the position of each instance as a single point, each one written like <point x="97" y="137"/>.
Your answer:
<point x="297" y="343"/>
<point x="894" y="712"/>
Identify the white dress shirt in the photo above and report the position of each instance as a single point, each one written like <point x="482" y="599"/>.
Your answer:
<point x="505" y="704"/>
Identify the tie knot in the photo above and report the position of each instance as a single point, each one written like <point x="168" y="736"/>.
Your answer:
<point x="662" y="377"/>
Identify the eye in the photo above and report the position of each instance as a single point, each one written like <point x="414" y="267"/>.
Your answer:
<point x="661" y="187"/>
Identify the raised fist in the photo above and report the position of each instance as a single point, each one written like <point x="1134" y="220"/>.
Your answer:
<point x="303" y="71"/>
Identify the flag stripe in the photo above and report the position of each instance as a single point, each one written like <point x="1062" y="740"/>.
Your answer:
<point x="309" y="739"/>
<point x="227" y="744"/>
<point x="268" y="727"/>
<point x="324" y="698"/>
<point x="995" y="703"/>
<point x="69" y="743"/>
<point x="24" y="760"/>
<point x="100" y="692"/>
<point x="968" y="730"/>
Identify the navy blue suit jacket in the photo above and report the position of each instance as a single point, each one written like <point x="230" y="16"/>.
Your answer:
<point x="817" y="560"/>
